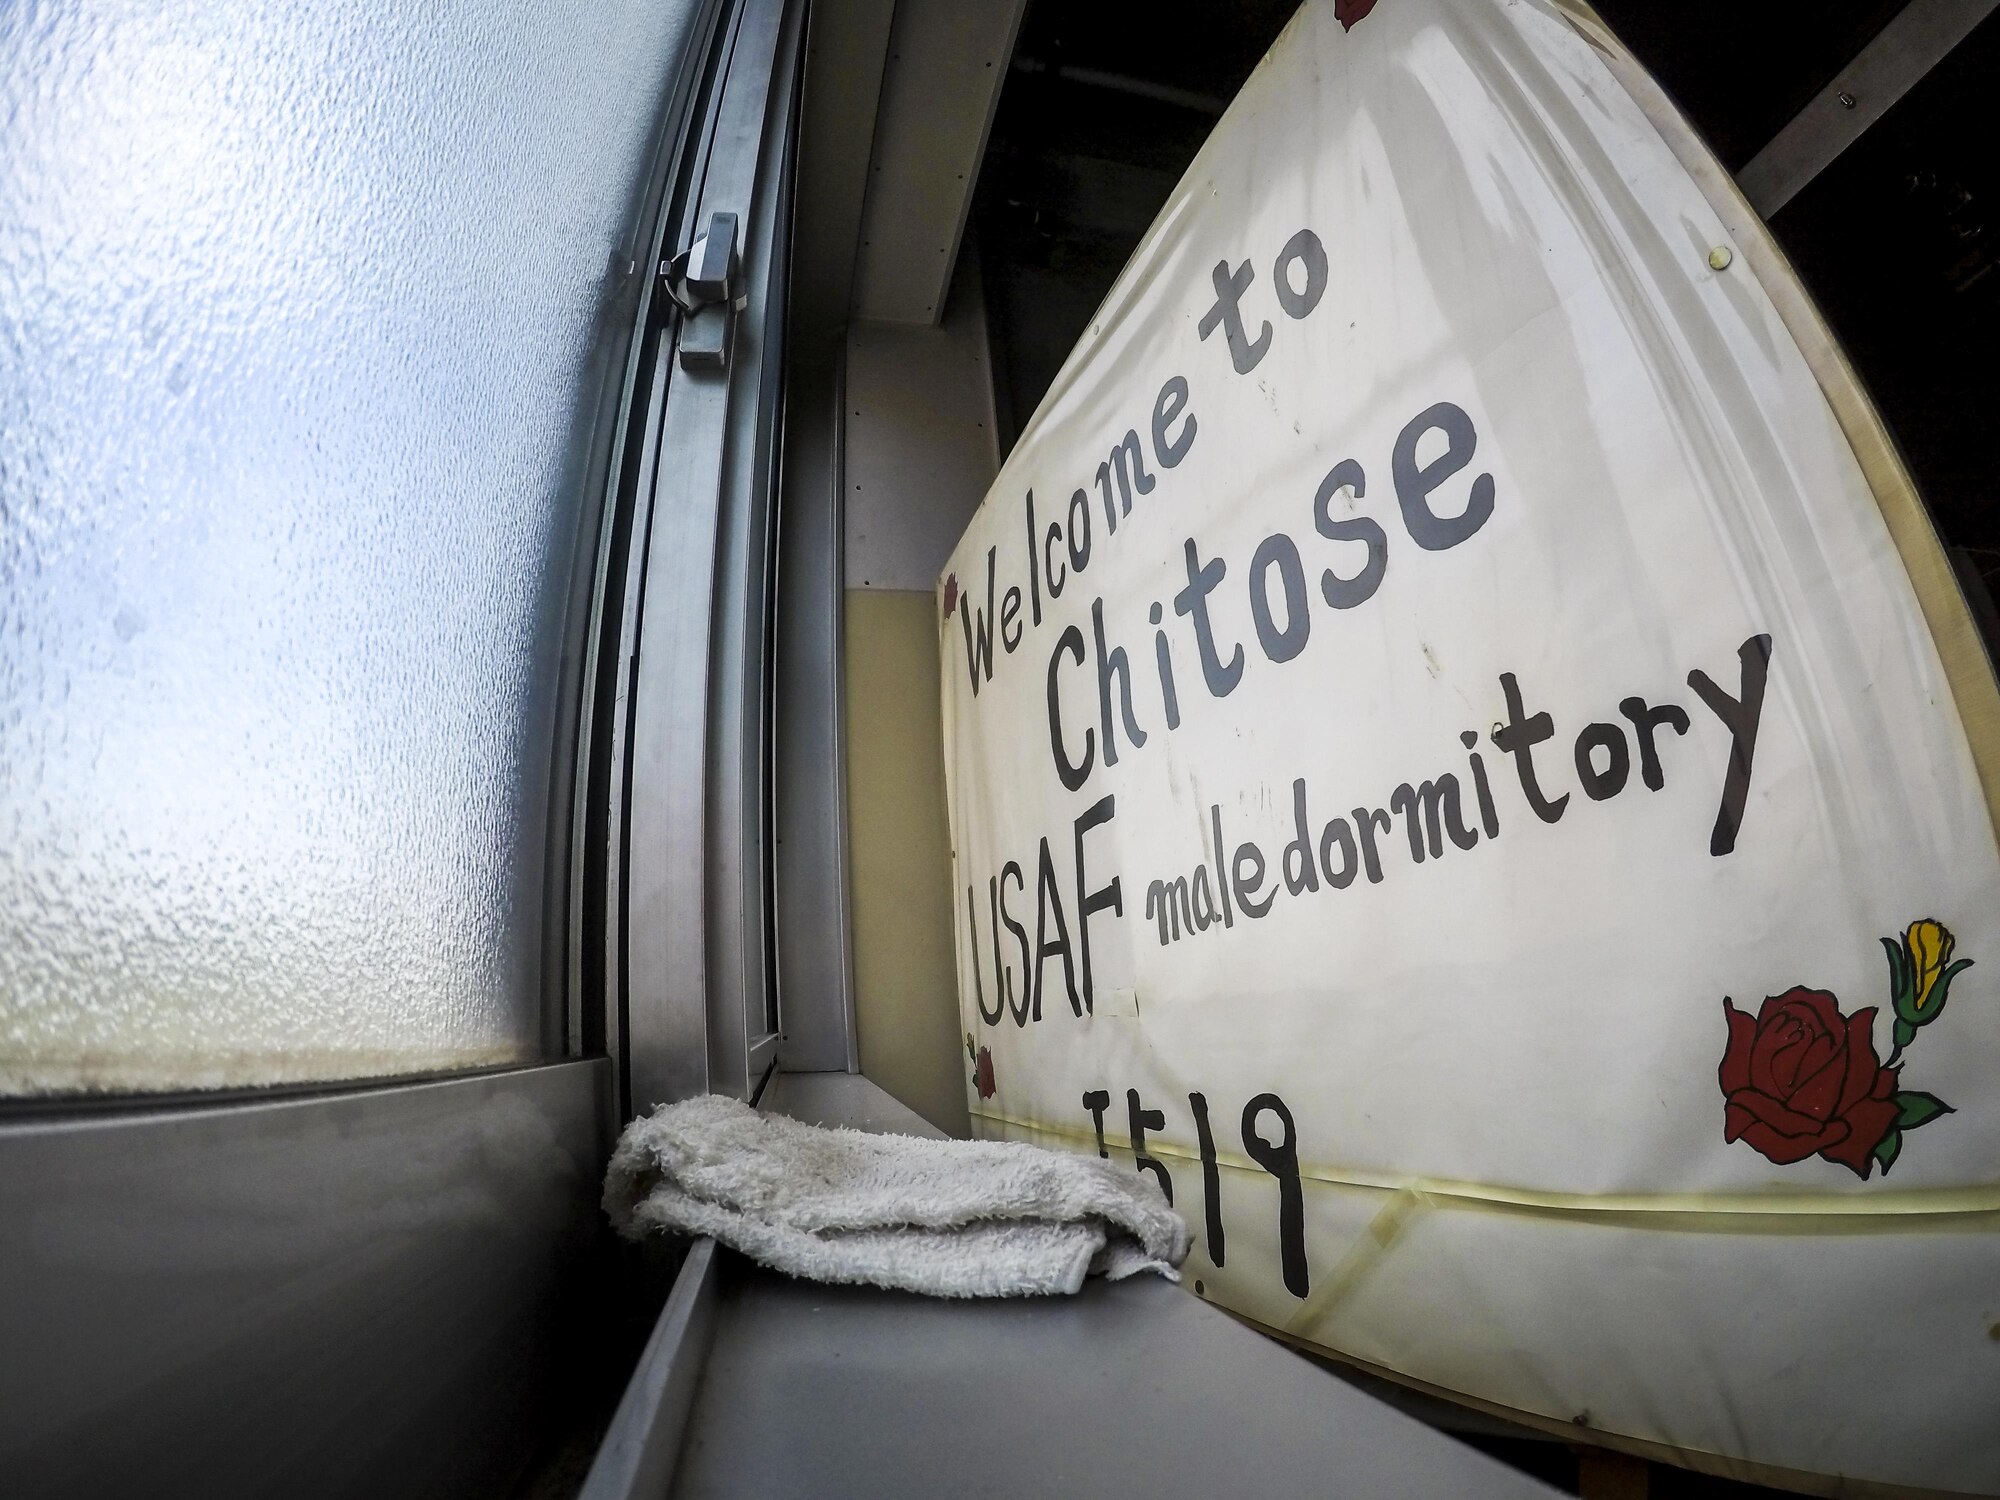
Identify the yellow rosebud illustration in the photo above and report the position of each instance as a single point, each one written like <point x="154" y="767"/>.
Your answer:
<point x="1920" y="974"/>
<point x="1929" y="945"/>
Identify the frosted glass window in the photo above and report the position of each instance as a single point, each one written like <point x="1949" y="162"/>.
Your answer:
<point x="298" y="310"/>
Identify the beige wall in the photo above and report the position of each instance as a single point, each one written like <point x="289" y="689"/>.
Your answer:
<point x="899" y="857"/>
<point x="918" y="454"/>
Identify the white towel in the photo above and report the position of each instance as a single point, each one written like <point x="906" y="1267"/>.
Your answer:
<point x="946" y="1218"/>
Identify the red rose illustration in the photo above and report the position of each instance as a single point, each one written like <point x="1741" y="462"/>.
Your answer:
<point x="982" y="1074"/>
<point x="1802" y="1079"/>
<point x="950" y="594"/>
<point x="1347" y="12"/>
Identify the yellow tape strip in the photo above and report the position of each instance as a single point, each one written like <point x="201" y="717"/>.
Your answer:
<point x="1927" y="1203"/>
<point x="1362" y="1256"/>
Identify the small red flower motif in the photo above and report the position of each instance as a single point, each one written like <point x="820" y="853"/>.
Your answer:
<point x="982" y="1074"/>
<point x="950" y="594"/>
<point x="1348" y="12"/>
<point x="1802" y="1079"/>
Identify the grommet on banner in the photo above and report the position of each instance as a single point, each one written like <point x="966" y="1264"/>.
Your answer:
<point x="1719" y="258"/>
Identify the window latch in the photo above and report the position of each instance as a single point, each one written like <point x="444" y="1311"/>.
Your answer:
<point x="704" y="283"/>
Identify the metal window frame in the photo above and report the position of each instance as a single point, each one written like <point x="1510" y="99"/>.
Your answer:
<point x="578" y="827"/>
<point x="815" y="952"/>
<point x="644" y="1440"/>
<point x="358" y="1287"/>
<point x="349" y="1293"/>
<point x="689" y="928"/>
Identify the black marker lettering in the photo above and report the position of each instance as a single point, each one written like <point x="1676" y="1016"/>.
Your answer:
<point x="1303" y="249"/>
<point x="1088" y="902"/>
<point x="1221" y="880"/>
<point x="1172" y="401"/>
<point x="1113" y="667"/>
<point x="1244" y="353"/>
<point x="1128" y="464"/>
<point x="1070" y="642"/>
<point x="1337" y="832"/>
<point x="1600" y="785"/>
<point x="1279" y="551"/>
<point x="1193" y="602"/>
<point x="1251" y="857"/>
<point x="1296" y="863"/>
<point x="1645" y="720"/>
<point x="1017" y="1004"/>
<point x="978" y="984"/>
<point x="1365" y="821"/>
<point x="1489" y="819"/>
<point x="1079" y="525"/>
<point x="1048" y="898"/>
<point x="1211" y="1177"/>
<point x="1432" y="809"/>
<point x="1163" y="658"/>
<point x="1345" y="593"/>
<point x="1138" y="1122"/>
<point x="1282" y="1162"/>
<point x="1204" y="900"/>
<point x="1097" y="1101"/>
<point x="979" y="653"/>
<point x="1518" y="738"/>
<point x="1034" y="568"/>
<point x="1740" y="716"/>
<point x="1414" y="485"/>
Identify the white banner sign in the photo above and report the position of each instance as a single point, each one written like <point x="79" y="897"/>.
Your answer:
<point x="1448" y="772"/>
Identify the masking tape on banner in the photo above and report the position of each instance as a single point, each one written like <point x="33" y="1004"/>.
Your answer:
<point x="1977" y="1206"/>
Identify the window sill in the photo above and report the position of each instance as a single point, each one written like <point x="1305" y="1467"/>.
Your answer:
<point x="1132" y="1387"/>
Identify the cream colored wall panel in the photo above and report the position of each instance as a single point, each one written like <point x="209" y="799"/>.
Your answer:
<point x="920" y="441"/>
<point x="900" y="858"/>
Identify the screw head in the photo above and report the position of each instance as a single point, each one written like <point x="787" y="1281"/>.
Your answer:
<point x="1719" y="258"/>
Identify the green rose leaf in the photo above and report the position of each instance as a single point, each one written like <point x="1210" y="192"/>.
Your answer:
<point x="1941" y="991"/>
<point x="1889" y="1148"/>
<point x="1899" y="969"/>
<point x="1914" y="1108"/>
<point x="1904" y="1034"/>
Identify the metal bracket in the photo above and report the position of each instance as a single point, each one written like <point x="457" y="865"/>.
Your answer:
<point x="1916" y="40"/>
<point x="704" y="282"/>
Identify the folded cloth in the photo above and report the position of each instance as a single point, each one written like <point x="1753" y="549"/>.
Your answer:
<point x="946" y="1218"/>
